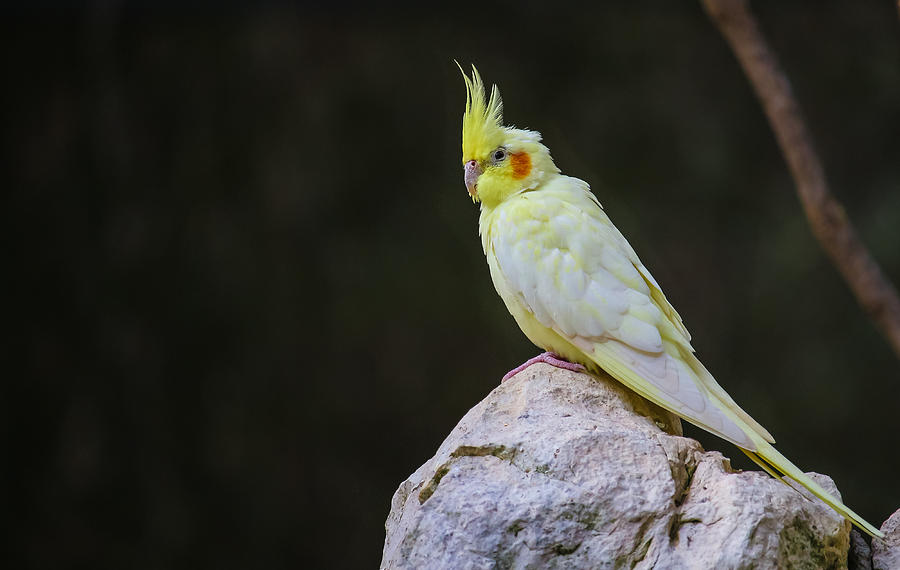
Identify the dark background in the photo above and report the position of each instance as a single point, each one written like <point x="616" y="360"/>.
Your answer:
<point x="246" y="292"/>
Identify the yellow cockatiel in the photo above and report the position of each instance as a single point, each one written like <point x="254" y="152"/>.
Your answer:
<point x="578" y="290"/>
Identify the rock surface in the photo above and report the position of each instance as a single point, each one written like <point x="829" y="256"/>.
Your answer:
<point x="558" y="469"/>
<point x="886" y="553"/>
<point x="860" y="555"/>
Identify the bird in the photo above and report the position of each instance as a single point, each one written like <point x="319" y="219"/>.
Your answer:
<point x="578" y="290"/>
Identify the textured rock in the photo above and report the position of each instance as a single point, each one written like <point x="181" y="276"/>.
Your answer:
<point x="558" y="469"/>
<point x="886" y="553"/>
<point x="860" y="555"/>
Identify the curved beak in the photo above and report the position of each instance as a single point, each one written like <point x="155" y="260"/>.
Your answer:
<point x="473" y="171"/>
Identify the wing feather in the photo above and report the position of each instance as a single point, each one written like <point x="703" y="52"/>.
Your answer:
<point x="578" y="276"/>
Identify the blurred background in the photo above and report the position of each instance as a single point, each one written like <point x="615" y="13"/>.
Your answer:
<point x="247" y="294"/>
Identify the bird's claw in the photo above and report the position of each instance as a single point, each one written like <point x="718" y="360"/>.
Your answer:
<point x="547" y="358"/>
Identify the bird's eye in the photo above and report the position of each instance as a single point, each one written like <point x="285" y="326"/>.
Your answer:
<point x="498" y="154"/>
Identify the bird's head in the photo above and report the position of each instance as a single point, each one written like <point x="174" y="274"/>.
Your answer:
<point x="498" y="161"/>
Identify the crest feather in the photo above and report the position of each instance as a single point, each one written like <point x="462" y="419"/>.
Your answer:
<point x="483" y="119"/>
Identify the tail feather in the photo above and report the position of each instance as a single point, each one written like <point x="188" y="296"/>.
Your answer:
<point x="770" y="459"/>
<point x="763" y="465"/>
<point x="724" y="417"/>
<point x="767" y="454"/>
<point x="773" y="463"/>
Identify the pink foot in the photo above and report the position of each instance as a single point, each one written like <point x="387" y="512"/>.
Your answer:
<point x="547" y="358"/>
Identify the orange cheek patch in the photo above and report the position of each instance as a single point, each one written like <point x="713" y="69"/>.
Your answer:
<point x="521" y="164"/>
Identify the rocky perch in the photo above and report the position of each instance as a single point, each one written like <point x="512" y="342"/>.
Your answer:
<point x="562" y="470"/>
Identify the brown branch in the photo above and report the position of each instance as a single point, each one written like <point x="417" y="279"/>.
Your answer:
<point x="827" y="218"/>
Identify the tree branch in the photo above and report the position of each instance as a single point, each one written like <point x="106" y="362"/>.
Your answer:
<point x="827" y="218"/>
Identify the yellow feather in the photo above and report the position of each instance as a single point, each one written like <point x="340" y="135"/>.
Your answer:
<point x="482" y="126"/>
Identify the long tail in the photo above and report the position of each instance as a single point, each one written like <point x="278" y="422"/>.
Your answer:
<point x="630" y="367"/>
<point x="766" y="456"/>
<point x="774" y="463"/>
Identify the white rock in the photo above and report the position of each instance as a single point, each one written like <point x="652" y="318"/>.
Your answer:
<point x="886" y="553"/>
<point x="556" y="469"/>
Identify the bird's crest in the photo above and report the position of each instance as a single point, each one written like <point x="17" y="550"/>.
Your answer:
<point x="483" y="120"/>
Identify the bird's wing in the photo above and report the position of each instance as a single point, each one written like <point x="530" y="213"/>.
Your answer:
<point x="575" y="272"/>
<point x="678" y="332"/>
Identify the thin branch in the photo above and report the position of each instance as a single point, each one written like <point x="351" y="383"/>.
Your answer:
<point x="827" y="218"/>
